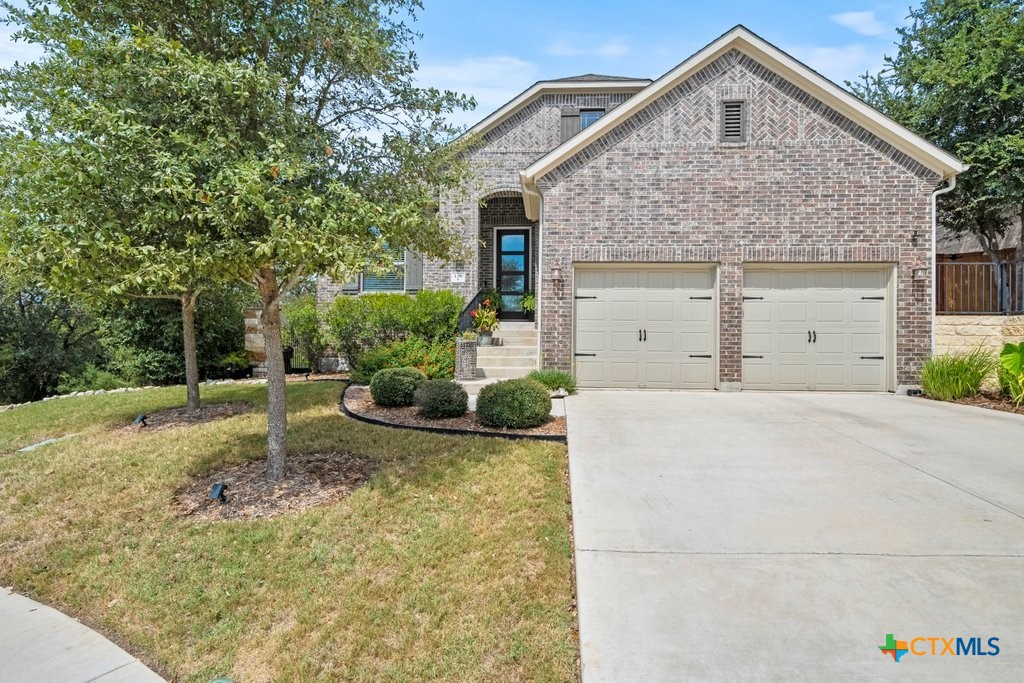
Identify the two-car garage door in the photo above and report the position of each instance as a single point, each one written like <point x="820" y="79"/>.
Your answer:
<point x="804" y="327"/>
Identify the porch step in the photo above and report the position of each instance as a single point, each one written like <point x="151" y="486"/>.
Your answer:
<point x="508" y="325"/>
<point x="508" y="351"/>
<point x="504" y="373"/>
<point x="518" y="361"/>
<point x="516" y="337"/>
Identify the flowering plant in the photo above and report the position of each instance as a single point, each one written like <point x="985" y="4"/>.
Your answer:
<point x="485" y="318"/>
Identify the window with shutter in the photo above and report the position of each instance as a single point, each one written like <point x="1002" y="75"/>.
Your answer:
<point x="734" y="121"/>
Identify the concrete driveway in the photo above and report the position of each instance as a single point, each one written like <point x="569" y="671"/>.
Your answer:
<point x="781" y="536"/>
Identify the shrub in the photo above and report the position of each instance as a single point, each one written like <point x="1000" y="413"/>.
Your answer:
<point x="1011" y="372"/>
<point x="437" y="398"/>
<point x="91" y="378"/>
<point x="302" y="329"/>
<point x="554" y="379"/>
<point x="358" y="323"/>
<point x="956" y="375"/>
<point x="434" y="315"/>
<point x="514" y="403"/>
<point x="395" y="386"/>
<point x="435" y="360"/>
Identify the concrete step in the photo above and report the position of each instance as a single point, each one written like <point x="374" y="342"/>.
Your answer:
<point x="515" y="339"/>
<point x="518" y="325"/>
<point x="508" y="361"/>
<point x="484" y="352"/>
<point x="473" y="386"/>
<point x="505" y="373"/>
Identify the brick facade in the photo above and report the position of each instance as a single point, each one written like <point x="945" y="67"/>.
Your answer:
<point x="809" y="186"/>
<point x="509" y="147"/>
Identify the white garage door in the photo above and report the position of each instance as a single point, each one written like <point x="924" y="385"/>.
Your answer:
<point x="815" y="328"/>
<point x="645" y="327"/>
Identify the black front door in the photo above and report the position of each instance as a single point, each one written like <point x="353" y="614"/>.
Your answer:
<point x="513" y="272"/>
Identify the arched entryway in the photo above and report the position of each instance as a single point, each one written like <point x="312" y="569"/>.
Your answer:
<point x="509" y="244"/>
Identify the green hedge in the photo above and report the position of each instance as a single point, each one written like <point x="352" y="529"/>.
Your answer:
<point x="396" y="386"/>
<point x="356" y="324"/>
<point x="514" y="403"/>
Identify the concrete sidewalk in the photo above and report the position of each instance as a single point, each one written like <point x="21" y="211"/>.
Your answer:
<point x="38" y="643"/>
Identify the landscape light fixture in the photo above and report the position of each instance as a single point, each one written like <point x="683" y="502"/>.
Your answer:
<point x="556" y="271"/>
<point x="217" y="492"/>
<point x="140" y="421"/>
<point x="307" y="376"/>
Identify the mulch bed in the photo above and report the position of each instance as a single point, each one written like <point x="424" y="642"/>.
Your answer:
<point x="313" y="479"/>
<point x="992" y="400"/>
<point x="358" y="401"/>
<point x="177" y="417"/>
<point x="317" y="377"/>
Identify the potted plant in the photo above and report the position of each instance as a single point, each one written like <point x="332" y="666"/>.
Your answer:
<point x="529" y="303"/>
<point x="485" y="321"/>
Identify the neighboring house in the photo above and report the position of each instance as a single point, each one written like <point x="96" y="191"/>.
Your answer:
<point x="741" y="222"/>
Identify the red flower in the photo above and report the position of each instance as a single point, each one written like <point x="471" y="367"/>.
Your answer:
<point x="473" y="313"/>
<point x="487" y="302"/>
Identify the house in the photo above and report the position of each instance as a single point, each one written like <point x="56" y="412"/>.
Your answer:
<point x="740" y="222"/>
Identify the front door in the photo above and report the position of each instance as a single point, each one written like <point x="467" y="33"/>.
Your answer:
<point x="512" y="271"/>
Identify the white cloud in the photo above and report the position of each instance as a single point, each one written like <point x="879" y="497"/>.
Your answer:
<point x="610" y="48"/>
<point x="839" y="64"/>
<point x="864" y="23"/>
<point x="11" y="51"/>
<point x="492" y="80"/>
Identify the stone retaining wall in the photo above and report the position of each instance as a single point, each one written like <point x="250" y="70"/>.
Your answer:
<point x="960" y="333"/>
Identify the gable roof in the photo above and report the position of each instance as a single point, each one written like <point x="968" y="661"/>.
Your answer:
<point x="740" y="38"/>
<point x="572" y="84"/>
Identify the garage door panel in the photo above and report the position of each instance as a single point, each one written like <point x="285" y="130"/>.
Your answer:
<point x="590" y="310"/>
<point x="843" y="307"/>
<point x="673" y="306"/>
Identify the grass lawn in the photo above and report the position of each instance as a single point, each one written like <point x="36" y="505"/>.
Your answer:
<point x="452" y="563"/>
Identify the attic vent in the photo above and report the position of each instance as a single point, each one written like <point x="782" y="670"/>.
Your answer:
<point x="734" y="121"/>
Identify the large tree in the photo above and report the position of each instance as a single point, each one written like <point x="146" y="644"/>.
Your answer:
<point x="286" y="138"/>
<point x="957" y="78"/>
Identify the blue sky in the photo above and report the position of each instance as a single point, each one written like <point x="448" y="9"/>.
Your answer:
<point x="494" y="49"/>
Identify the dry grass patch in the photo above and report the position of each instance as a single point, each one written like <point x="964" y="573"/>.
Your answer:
<point x="452" y="562"/>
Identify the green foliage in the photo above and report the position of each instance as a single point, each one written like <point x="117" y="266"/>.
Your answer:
<point x="529" y="302"/>
<point x="957" y="375"/>
<point x="514" y="404"/>
<point x="357" y="324"/>
<point x="90" y="378"/>
<point x="396" y="386"/>
<point x="440" y="398"/>
<point x="434" y="314"/>
<point x="554" y="379"/>
<point x="958" y="79"/>
<point x="42" y="338"/>
<point x="491" y="298"/>
<point x="1011" y="371"/>
<point x="434" y="359"/>
<point x="303" y="329"/>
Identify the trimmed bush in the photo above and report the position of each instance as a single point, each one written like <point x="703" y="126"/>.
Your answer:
<point x="396" y="386"/>
<point x="437" y="398"/>
<point x="957" y="375"/>
<point x="514" y="403"/>
<point x="357" y="324"/>
<point x="554" y="379"/>
<point x="435" y="360"/>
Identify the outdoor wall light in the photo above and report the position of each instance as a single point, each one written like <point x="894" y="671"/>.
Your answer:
<point x="922" y="273"/>
<point x="217" y="492"/>
<point x="556" y="271"/>
<point x="140" y="421"/>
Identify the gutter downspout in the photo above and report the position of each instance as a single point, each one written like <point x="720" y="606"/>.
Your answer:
<point x="935" y="259"/>
<point x="537" y="315"/>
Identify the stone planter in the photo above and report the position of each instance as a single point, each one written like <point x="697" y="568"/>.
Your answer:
<point x="465" y="359"/>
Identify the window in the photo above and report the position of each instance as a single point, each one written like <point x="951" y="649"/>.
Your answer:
<point x="589" y="116"/>
<point x="734" y="121"/>
<point x="390" y="281"/>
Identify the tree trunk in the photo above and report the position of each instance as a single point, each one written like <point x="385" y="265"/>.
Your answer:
<point x="188" y="328"/>
<point x="277" y="409"/>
